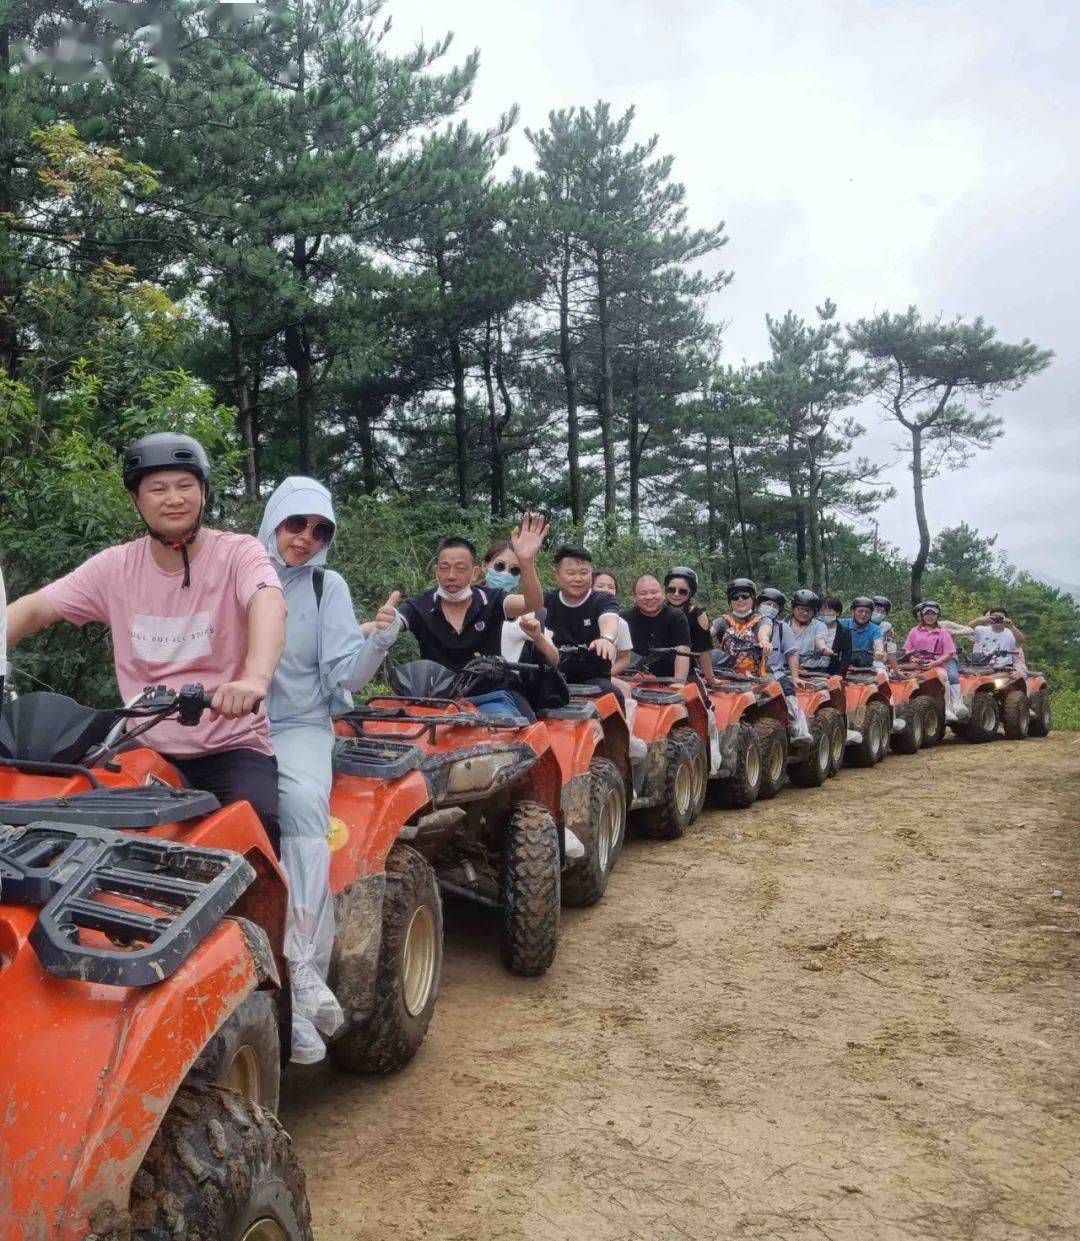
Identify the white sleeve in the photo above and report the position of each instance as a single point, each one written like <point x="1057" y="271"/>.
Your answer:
<point x="513" y="641"/>
<point x="623" y="641"/>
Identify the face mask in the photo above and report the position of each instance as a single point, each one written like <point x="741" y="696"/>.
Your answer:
<point x="458" y="596"/>
<point x="828" y="617"/>
<point x="742" y="608"/>
<point x="877" y="617"/>
<point x="500" y="581"/>
<point x="769" y="610"/>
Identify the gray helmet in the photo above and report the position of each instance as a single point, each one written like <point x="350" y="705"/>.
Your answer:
<point x="741" y="584"/>
<point x="682" y="570"/>
<point x="165" y="450"/>
<point x="774" y="596"/>
<point x="883" y="602"/>
<point x="862" y="601"/>
<point x="927" y="604"/>
<point x="804" y="598"/>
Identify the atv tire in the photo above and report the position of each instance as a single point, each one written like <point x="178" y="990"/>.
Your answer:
<point x="742" y="789"/>
<point x="1016" y="715"/>
<point x="670" y="819"/>
<point x="813" y="771"/>
<point x="584" y="881"/>
<point x="834" y="722"/>
<point x="933" y="709"/>
<point x="244" y="1056"/>
<point x="774" y="755"/>
<point x="530" y="890"/>
<point x="410" y="963"/>
<point x="1039" y="706"/>
<point x="875" y="737"/>
<point x="218" y="1165"/>
<point x="981" y="725"/>
<point x="699" y="764"/>
<point x="910" y="741"/>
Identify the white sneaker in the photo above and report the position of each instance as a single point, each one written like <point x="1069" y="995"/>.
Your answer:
<point x="307" y="1046"/>
<point x="573" y="846"/>
<point x="854" y="737"/>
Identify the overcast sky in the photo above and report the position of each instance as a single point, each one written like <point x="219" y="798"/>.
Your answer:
<point x="878" y="153"/>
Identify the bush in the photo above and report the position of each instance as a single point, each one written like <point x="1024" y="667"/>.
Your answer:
<point x="1065" y="707"/>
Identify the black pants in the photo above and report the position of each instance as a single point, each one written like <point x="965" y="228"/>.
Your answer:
<point x="238" y="775"/>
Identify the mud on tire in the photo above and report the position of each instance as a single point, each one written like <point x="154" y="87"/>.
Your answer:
<point x="774" y="755"/>
<point x="933" y="709"/>
<point x="1039" y="705"/>
<point x="741" y="789"/>
<point x="670" y="819"/>
<point x="910" y="741"/>
<point x="834" y="721"/>
<point x="699" y="766"/>
<point x="814" y="770"/>
<point x="410" y="962"/>
<point x="583" y="882"/>
<point x="982" y="724"/>
<point x="875" y="737"/>
<point x="245" y="1054"/>
<point x="1016" y="715"/>
<point x="218" y="1165"/>
<point x="530" y="890"/>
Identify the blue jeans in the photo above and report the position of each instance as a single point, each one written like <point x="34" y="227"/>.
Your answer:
<point x="498" y="702"/>
<point x="952" y="670"/>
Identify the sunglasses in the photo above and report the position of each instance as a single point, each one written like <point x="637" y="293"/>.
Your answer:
<point x="677" y="590"/>
<point x="321" y="531"/>
<point x="742" y="595"/>
<point x="500" y="566"/>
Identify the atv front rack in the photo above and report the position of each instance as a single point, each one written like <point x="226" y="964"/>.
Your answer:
<point x="130" y="809"/>
<point x="92" y="880"/>
<point x="657" y="697"/>
<point x="358" y="717"/>
<point x="378" y="758"/>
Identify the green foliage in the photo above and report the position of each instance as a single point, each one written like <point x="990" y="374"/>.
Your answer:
<point x="1065" y="709"/>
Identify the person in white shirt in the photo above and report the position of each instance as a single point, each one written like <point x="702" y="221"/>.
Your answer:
<point x="995" y="634"/>
<point x="605" y="584"/>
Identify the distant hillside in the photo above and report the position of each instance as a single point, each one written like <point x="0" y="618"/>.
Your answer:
<point x="1066" y="587"/>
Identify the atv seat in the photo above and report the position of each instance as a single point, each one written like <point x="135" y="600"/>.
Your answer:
<point x="575" y="711"/>
<point x="585" y="691"/>
<point x="51" y="728"/>
<point x="149" y="805"/>
<point x="658" y="697"/>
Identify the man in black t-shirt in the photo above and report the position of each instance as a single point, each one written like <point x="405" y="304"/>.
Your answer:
<point x="577" y="615"/>
<point x="654" y="625"/>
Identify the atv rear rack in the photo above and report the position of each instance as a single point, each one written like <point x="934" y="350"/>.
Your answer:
<point x="125" y="809"/>
<point x="89" y="879"/>
<point x="657" y="697"/>
<point x="378" y="758"/>
<point x="429" y="724"/>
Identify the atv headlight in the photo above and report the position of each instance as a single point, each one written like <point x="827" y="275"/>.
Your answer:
<point x="475" y="774"/>
<point x="1000" y="682"/>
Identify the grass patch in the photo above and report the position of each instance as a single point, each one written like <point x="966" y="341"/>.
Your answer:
<point x="1065" y="709"/>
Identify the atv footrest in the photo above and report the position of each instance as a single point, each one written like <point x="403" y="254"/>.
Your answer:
<point x="150" y="805"/>
<point x="658" y="697"/>
<point x="375" y="757"/>
<point x="573" y="711"/>
<point x="154" y="900"/>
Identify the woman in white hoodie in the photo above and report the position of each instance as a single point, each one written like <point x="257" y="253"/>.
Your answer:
<point x="326" y="657"/>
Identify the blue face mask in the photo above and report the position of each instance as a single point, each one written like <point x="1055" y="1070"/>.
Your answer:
<point x="494" y="580"/>
<point x="877" y="617"/>
<point x="769" y="611"/>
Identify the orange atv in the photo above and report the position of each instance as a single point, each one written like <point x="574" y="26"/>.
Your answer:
<point x="996" y="691"/>
<point x="868" y="707"/>
<point x="671" y="723"/>
<point x="481" y="799"/>
<point x="750" y="757"/>
<point x="923" y="709"/>
<point x="140" y="987"/>
<point x="821" y="698"/>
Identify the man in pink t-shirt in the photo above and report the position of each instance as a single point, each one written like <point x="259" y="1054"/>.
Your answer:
<point x="184" y="604"/>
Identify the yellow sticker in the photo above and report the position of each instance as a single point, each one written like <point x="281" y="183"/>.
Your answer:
<point x="336" y="834"/>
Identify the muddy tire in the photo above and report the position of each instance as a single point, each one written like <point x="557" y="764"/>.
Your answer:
<point x="910" y="741"/>
<point x="670" y="819"/>
<point x="933" y="710"/>
<point x="814" y="770"/>
<point x="699" y="763"/>
<point x="410" y="963"/>
<point x="583" y="883"/>
<point x="875" y="737"/>
<point x="741" y="790"/>
<point x="774" y="755"/>
<point x="218" y="1166"/>
<point x="530" y="890"/>
<point x="1016" y="715"/>
<point x="245" y="1054"/>
<point x="1039" y="706"/>
<point x="834" y="721"/>
<point x="982" y="724"/>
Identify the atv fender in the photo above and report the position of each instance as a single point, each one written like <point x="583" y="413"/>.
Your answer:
<point x="89" y="1071"/>
<point x="366" y="818"/>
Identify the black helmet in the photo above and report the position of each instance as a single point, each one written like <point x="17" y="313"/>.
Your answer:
<point x="862" y="601"/>
<point x="803" y="598"/>
<point x="927" y="604"/>
<point x="916" y="608"/>
<point x="741" y="584"/>
<point x="881" y="601"/>
<point x="774" y="596"/>
<point x="682" y="570"/>
<point x="164" y="450"/>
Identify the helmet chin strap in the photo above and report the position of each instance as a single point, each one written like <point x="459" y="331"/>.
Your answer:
<point x="178" y="545"/>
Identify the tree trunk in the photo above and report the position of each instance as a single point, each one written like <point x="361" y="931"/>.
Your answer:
<point x="814" y="529"/>
<point x="607" y="393"/>
<point x="566" y="358"/>
<point x="9" y="347"/>
<point x="366" y="435"/>
<point x="298" y="353"/>
<point x="461" y="428"/>
<point x="739" y="508"/>
<point x="244" y="424"/>
<point x="713" y="517"/>
<point x="919" y="563"/>
<point x="495" y="457"/>
<point x="636" y="444"/>
<point x="507" y="414"/>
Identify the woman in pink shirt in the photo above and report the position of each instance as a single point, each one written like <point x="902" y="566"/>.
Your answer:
<point x="933" y="647"/>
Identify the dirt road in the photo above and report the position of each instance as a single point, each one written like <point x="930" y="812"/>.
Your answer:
<point x="849" y="1013"/>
